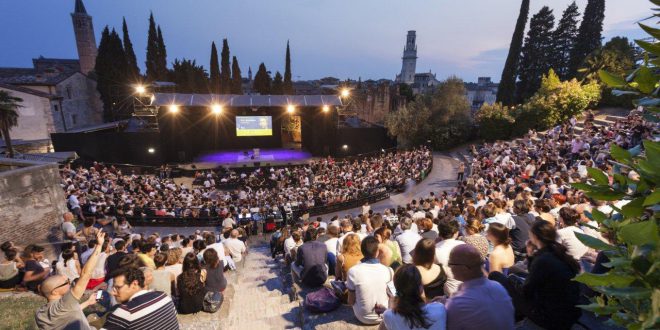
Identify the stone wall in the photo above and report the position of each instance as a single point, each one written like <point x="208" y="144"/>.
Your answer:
<point x="81" y="104"/>
<point x="31" y="203"/>
<point x="34" y="117"/>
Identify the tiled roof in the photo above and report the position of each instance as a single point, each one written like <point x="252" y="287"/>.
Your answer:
<point x="46" y="71"/>
<point x="29" y="91"/>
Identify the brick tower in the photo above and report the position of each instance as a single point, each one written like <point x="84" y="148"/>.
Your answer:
<point x="85" y="40"/>
<point x="409" y="60"/>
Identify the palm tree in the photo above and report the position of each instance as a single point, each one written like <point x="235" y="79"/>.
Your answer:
<point x="8" y="117"/>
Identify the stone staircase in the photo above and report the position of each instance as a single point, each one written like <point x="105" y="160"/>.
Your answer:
<point x="255" y="299"/>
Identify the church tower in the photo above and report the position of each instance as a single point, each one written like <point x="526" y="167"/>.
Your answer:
<point x="85" y="39"/>
<point x="409" y="58"/>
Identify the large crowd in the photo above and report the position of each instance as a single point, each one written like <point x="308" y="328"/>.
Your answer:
<point x="499" y="251"/>
<point x="106" y="192"/>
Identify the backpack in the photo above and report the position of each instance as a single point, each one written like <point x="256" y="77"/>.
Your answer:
<point x="321" y="301"/>
<point x="212" y="301"/>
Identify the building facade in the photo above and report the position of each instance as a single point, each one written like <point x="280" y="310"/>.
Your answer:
<point x="483" y="92"/>
<point x="58" y="94"/>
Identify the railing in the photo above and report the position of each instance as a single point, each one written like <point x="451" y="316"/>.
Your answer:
<point x="165" y="221"/>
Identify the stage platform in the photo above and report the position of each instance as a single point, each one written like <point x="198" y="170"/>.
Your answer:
<point x="238" y="158"/>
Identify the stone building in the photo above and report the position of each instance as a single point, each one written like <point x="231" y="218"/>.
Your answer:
<point x="420" y="82"/>
<point x="58" y="94"/>
<point x="484" y="91"/>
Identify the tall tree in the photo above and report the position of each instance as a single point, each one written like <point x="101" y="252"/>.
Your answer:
<point x="215" y="70"/>
<point x="536" y="54"/>
<point x="188" y="76"/>
<point x="8" y="117"/>
<point x="236" y="79"/>
<point x="162" y="56"/>
<point x="112" y="75"/>
<point x="152" y="50"/>
<point x="225" y="69"/>
<point x="262" y="80"/>
<point x="507" y="88"/>
<point x="564" y="38"/>
<point x="131" y="60"/>
<point x="287" y="86"/>
<point x="278" y="86"/>
<point x="589" y="36"/>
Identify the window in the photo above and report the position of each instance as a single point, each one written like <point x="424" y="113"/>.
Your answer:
<point x="68" y="92"/>
<point x="57" y="107"/>
<point x="74" y="120"/>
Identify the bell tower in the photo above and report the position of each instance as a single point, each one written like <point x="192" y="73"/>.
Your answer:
<point x="85" y="39"/>
<point x="409" y="60"/>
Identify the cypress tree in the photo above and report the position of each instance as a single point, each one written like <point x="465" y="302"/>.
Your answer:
<point x="225" y="70"/>
<point x="215" y="70"/>
<point x="507" y="89"/>
<point x="589" y="36"/>
<point x="278" y="86"/>
<point x="287" y="86"/>
<point x="162" y="56"/>
<point x="262" y="80"/>
<point x="111" y="69"/>
<point x="564" y="38"/>
<point x="236" y="79"/>
<point x="188" y="76"/>
<point x="131" y="60"/>
<point x="536" y="54"/>
<point x="152" y="50"/>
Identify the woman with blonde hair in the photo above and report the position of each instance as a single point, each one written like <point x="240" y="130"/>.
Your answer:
<point x="389" y="252"/>
<point x="349" y="257"/>
<point x="174" y="261"/>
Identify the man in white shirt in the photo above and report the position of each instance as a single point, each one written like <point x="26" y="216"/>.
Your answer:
<point x="367" y="284"/>
<point x="568" y="221"/>
<point x="407" y="240"/>
<point x="448" y="228"/>
<point x="228" y="222"/>
<point x="235" y="246"/>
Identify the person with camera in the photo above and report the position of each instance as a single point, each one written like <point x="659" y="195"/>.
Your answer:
<point x="64" y="310"/>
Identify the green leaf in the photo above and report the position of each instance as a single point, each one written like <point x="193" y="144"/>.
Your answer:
<point x="608" y="279"/>
<point x="598" y="215"/>
<point x="652" y="48"/>
<point x="652" y="150"/>
<point x="593" y="242"/>
<point x="598" y="309"/>
<point x="640" y="233"/>
<point x="618" y="92"/>
<point x="618" y="262"/>
<point x="620" y="154"/>
<point x="621" y="180"/>
<point x="606" y="195"/>
<point x="646" y="79"/>
<point x="598" y="176"/>
<point x="633" y="209"/>
<point x="583" y="186"/>
<point x="611" y="80"/>
<point x="635" y="293"/>
<point x="654" y="32"/>
<point x="652" y="199"/>
<point x="648" y="102"/>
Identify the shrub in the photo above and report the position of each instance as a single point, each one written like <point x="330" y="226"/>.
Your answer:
<point x="494" y="121"/>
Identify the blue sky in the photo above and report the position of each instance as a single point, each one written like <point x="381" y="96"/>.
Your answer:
<point x="341" y="38"/>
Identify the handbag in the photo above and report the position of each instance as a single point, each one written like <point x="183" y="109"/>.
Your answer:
<point x="322" y="301"/>
<point x="212" y="301"/>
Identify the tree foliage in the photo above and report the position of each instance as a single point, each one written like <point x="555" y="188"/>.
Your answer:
<point x="225" y="69"/>
<point x="507" y="88"/>
<point x="442" y="117"/>
<point x="131" y="61"/>
<point x="189" y="77"/>
<point x="9" y="105"/>
<point x="214" y="69"/>
<point x="494" y="121"/>
<point x="236" y="79"/>
<point x="629" y="291"/>
<point x="112" y="76"/>
<point x="589" y="35"/>
<point x="564" y="40"/>
<point x="278" y="87"/>
<point x="262" y="80"/>
<point x="537" y="53"/>
<point x="287" y="83"/>
<point x="156" y="62"/>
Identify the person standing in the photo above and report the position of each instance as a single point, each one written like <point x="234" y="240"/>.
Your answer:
<point x="461" y="171"/>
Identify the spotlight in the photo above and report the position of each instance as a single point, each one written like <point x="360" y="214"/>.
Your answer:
<point x="151" y="150"/>
<point x="216" y="109"/>
<point x="382" y="150"/>
<point x="326" y="108"/>
<point x="345" y="146"/>
<point x="345" y="92"/>
<point x="290" y="108"/>
<point x="173" y="108"/>
<point x="140" y="89"/>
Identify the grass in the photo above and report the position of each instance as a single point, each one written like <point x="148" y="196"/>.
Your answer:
<point x="18" y="313"/>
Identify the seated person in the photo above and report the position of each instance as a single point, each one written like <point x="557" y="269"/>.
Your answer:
<point x="311" y="266"/>
<point x="10" y="274"/>
<point x="367" y="284"/>
<point x="35" y="270"/>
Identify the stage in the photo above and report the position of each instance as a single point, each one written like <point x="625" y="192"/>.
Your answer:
<point x="266" y="157"/>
